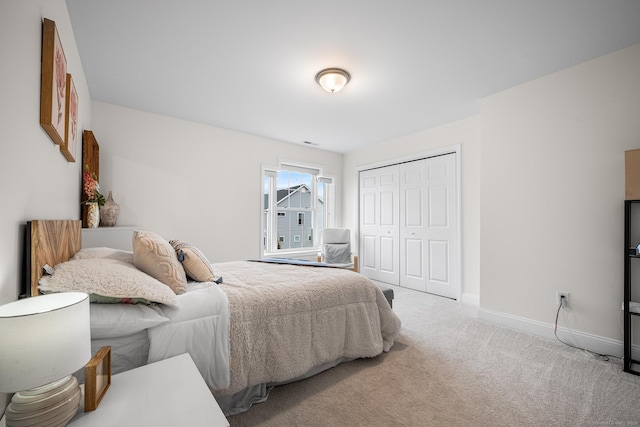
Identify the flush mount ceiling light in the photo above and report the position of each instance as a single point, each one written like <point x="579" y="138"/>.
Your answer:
<point x="333" y="79"/>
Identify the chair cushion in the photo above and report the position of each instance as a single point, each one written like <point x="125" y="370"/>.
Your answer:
<point x="337" y="253"/>
<point x="336" y="235"/>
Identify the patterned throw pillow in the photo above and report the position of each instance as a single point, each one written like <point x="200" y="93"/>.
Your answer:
<point x="195" y="264"/>
<point x="156" y="257"/>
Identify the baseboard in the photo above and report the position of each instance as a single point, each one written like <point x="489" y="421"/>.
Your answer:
<point x="590" y="342"/>
<point x="470" y="299"/>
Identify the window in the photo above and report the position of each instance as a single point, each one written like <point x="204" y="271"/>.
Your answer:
<point x="297" y="202"/>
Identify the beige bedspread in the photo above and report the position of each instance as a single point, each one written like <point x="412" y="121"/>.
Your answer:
<point x="288" y="319"/>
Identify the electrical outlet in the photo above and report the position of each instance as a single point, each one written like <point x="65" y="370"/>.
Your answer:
<point x="559" y="298"/>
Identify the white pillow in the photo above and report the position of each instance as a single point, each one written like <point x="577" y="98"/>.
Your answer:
<point x="156" y="257"/>
<point x="103" y="252"/>
<point x="117" y="320"/>
<point x="106" y="277"/>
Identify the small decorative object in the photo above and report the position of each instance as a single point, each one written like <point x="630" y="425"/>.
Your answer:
<point x="94" y="200"/>
<point x="53" y="85"/>
<point x="45" y="340"/>
<point x="97" y="378"/>
<point x="93" y="215"/>
<point x="109" y="212"/>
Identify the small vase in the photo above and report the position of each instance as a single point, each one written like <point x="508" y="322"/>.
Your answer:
<point x="93" y="215"/>
<point x="109" y="212"/>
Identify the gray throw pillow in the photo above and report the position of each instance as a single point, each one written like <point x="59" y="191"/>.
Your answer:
<point x="337" y="253"/>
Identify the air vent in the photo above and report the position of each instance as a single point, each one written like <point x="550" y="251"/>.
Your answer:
<point x="311" y="143"/>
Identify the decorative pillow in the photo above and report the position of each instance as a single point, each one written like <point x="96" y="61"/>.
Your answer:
<point x="337" y="253"/>
<point x="106" y="277"/>
<point x="108" y="253"/>
<point x="195" y="264"/>
<point x="116" y="320"/>
<point x="156" y="257"/>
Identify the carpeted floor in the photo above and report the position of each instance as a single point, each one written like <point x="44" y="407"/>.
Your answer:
<point x="450" y="369"/>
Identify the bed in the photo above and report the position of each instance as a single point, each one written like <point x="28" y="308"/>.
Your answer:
<point x="265" y="324"/>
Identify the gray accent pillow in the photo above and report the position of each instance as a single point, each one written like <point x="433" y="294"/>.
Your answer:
<point x="337" y="253"/>
<point x="195" y="264"/>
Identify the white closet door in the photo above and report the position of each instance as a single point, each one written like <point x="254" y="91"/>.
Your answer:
<point x="442" y="226"/>
<point x="413" y="225"/>
<point x="379" y="225"/>
<point x="428" y="226"/>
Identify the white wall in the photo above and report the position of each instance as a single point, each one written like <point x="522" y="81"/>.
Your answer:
<point x="553" y="191"/>
<point x="465" y="133"/>
<point x="191" y="181"/>
<point x="36" y="181"/>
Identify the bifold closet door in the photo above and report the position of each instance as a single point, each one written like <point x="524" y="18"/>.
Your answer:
<point x="379" y="224"/>
<point x="428" y="226"/>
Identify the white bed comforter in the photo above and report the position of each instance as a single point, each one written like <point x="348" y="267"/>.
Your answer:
<point x="270" y="323"/>
<point x="198" y="325"/>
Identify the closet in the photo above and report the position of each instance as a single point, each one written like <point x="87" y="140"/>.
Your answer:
<point x="409" y="225"/>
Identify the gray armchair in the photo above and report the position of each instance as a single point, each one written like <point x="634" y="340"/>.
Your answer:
<point x="335" y="249"/>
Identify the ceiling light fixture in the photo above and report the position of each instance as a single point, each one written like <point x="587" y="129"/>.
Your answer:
<point x="333" y="79"/>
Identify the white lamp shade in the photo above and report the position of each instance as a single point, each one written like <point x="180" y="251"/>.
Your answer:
<point x="43" y="339"/>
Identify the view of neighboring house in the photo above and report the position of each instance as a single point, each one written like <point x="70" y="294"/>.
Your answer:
<point x="294" y="225"/>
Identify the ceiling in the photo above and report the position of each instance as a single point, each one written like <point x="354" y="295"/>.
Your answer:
<point x="249" y="65"/>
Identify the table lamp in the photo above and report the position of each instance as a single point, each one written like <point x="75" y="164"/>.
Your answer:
<point x="43" y="340"/>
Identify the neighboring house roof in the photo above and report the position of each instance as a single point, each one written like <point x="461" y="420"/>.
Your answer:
<point x="283" y="193"/>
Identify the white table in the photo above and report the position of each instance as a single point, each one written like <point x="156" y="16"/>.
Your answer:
<point x="166" y="393"/>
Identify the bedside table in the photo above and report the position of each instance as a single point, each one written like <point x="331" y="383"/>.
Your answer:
<point x="166" y="393"/>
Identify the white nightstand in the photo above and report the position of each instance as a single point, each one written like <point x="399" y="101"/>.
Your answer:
<point x="166" y="393"/>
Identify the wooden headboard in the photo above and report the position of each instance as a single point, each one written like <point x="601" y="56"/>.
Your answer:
<point x="50" y="242"/>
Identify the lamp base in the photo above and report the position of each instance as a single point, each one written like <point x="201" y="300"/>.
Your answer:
<point x="53" y="404"/>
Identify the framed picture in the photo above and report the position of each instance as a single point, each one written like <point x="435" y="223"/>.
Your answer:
<point x="68" y="149"/>
<point x="97" y="378"/>
<point x="53" y="86"/>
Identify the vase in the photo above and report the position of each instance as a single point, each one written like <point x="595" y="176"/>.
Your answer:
<point x="109" y="212"/>
<point x="93" y="215"/>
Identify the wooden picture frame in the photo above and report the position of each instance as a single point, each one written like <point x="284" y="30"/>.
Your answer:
<point x="91" y="159"/>
<point x="53" y="84"/>
<point x="68" y="149"/>
<point x="97" y="378"/>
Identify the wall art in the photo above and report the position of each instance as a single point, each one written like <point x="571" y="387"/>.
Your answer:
<point x="68" y="149"/>
<point x="53" y="85"/>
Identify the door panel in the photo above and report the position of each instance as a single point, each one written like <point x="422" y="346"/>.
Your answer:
<point x="379" y="224"/>
<point x="438" y="207"/>
<point x="387" y="255"/>
<point x="388" y="208"/>
<point x="413" y="207"/>
<point x="442" y="233"/>
<point x="368" y="253"/>
<point x="439" y="261"/>
<point x="412" y="225"/>
<point x="368" y="209"/>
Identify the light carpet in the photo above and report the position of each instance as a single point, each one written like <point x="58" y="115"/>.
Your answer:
<point x="450" y="369"/>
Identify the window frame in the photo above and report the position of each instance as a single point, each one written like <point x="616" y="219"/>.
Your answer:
<point x="269" y="222"/>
